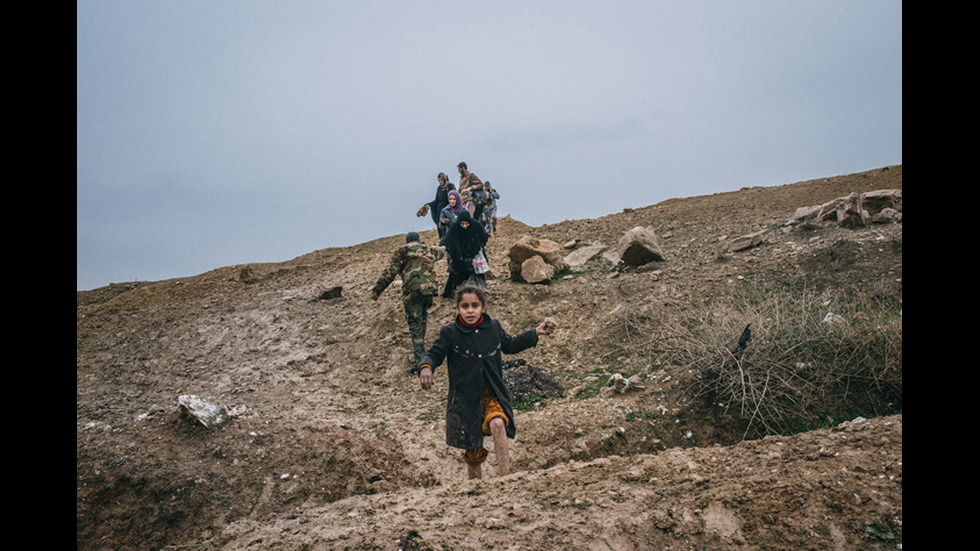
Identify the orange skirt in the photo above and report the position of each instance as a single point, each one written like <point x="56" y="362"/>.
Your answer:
<point x="491" y="409"/>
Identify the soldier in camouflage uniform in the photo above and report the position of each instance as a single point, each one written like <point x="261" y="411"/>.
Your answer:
<point x="415" y="261"/>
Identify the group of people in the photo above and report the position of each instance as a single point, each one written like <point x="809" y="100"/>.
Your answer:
<point x="465" y="218"/>
<point x="477" y="197"/>
<point x="479" y="402"/>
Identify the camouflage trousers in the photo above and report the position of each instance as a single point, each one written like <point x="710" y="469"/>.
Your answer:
<point x="417" y="315"/>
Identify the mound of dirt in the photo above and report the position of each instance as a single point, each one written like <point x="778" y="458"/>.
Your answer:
<point x="167" y="473"/>
<point x="337" y="448"/>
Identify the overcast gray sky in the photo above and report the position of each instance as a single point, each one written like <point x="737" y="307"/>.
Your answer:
<point x="222" y="132"/>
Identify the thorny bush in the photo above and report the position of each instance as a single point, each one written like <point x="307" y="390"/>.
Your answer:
<point x="810" y="360"/>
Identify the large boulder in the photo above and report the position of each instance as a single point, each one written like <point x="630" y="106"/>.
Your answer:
<point x="527" y="247"/>
<point x="579" y="257"/>
<point x="536" y="270"/>
<point x="846" y="211"/>
<point x="876" y="201"/>
<point x="639" y="246"/>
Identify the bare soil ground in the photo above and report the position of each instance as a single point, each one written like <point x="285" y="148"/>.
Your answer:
<point x="333" y="446"/>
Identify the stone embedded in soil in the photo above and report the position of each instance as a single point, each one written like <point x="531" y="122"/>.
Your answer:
<point x="200" y="410"/>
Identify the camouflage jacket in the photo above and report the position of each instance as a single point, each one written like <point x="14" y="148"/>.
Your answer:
<point x="415" y="262"/>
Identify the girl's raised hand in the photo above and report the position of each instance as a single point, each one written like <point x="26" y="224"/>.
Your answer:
<point x="547" y="326"/>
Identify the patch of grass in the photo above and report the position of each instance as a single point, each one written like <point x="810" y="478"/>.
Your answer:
<point x="526" y="402"/>
<point x="588" y="383"/>
<point x="560" y="274"/>
<point x="431" y="416"/>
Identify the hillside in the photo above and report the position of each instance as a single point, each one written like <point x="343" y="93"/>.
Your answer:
<point x="333" y="446"/>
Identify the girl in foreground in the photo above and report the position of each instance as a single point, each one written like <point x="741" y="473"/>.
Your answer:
<point x="479" y="402"/>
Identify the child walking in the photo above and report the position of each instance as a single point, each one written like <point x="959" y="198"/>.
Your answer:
<point x="478" y="403"/>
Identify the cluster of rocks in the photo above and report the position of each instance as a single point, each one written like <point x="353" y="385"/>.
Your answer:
<point x="855" y="210"/>
<point x="534" y="260"/>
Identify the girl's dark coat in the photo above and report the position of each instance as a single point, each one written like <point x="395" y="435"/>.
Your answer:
<point x="473" y="353"/>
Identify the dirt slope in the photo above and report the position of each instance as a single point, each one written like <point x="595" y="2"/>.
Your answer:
<point x="334" y="447"/>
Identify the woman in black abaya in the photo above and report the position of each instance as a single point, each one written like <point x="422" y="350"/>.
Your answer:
<point x="463" y="241"/>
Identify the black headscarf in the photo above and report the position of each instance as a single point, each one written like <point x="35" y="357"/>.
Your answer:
<point x="463" y="244"/>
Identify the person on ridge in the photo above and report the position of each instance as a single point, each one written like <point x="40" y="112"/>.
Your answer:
<point x="470" y="189"/>
<point x="488" y="215"/>
<point x="448" y="215"/>
<point x="434" y="208"/>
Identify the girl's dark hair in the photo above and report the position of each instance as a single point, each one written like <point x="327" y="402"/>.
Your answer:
<point x="470" y="288"/>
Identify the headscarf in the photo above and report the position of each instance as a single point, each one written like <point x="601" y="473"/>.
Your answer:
<point x="463" y="244"/>
<point x="459" y="202"/>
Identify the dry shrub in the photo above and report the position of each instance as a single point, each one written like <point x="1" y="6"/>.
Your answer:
<point x="802" y="368"/>
<point x="798" y="371"/>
